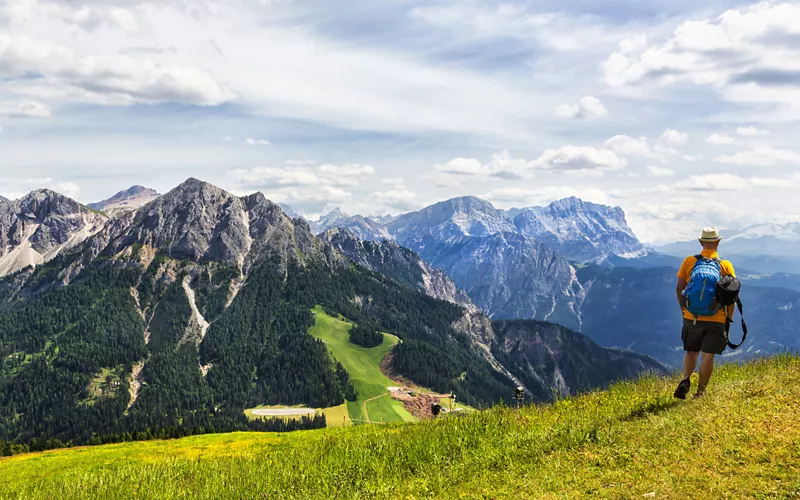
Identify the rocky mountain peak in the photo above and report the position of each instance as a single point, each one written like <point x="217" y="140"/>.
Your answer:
<point x="198" y="221"/>
<point x="465" y="216"/>
<point x="40" y="226"/>
<point x="44" y="202"/>
<point x="580" y="230"/>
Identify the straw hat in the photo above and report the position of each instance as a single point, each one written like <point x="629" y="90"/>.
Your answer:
<point x="710" y="235"/>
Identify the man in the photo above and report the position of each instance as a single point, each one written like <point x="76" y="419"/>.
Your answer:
<point x="706" y="334"/>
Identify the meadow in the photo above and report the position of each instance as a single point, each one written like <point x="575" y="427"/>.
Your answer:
<point x="374" y="405"/>
<point x="742" y="440"/>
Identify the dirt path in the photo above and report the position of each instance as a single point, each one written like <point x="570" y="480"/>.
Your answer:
<point x="364" y="405"/>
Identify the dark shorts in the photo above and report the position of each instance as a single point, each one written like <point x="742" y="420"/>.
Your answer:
<point x="705" y="336"/>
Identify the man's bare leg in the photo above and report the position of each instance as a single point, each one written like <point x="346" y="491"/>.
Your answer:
<point x="706" y="369"/>
<point x="690" y="363"/>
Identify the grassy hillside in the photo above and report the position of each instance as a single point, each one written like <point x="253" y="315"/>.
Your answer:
<point x="363" y="367"/>
<point x="740" y="441"/>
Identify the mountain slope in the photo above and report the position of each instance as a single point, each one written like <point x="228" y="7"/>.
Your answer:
<point x="549" y="358"/>
<point x="628" y="442"/>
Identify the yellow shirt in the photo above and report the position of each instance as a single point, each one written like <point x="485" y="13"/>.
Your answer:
<point x="726" y="268"/>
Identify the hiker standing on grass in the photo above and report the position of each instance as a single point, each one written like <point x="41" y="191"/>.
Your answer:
<point x="704" y="320"/>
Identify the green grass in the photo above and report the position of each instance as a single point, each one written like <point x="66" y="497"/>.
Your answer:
<point x="363" y="367"/>
<point x="741" y="441"/>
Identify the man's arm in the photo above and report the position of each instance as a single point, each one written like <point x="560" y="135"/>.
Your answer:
<point x="679" y="291"/>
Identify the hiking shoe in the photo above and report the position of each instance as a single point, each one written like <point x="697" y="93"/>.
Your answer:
<point x="700" y="393"/>
<point x="683" y="389"/>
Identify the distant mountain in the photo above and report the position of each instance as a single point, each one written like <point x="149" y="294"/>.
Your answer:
<point x="133" y="197"/>
<point x="580" y="231"/>
<point x="40" y="226"/>
<point x="766" y="248"/>
<point x="363" y="227"/>
<point x="451" y="219"/>
<point x="289" y="211"/>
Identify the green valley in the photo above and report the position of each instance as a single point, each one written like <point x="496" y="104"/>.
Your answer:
<point x="363" y="366"/>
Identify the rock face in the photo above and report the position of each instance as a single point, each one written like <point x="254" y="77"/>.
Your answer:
<point x="40" y="226"/>
<point x="131" y="198"/>
<point x="580" y="231"/>
<point x="546" y="356"/>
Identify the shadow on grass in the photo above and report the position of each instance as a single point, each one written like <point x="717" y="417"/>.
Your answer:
<point x="653" y="408"/>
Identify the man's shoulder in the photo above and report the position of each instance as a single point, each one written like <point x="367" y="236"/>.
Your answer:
<point x="690" y="260"/>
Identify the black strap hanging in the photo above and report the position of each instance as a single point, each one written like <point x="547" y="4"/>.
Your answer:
<point x="728" y="327"/>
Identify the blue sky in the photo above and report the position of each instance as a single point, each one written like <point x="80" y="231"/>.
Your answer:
<point x="683" y="115"/>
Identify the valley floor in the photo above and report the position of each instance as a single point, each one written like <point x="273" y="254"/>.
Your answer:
<point x="632" y="441"/>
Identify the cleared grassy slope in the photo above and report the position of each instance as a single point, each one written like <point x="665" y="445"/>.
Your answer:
<point x="363" y="367"/>
<point x="741" y="441"/>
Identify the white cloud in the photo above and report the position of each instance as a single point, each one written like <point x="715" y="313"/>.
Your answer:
<point x="24" y="109"/>
<point x="746" y="54"/>
<point x="660" y="171"/>
<point x="578" y="159"/>
<point x="673" y="138"/>
<point x="626" y="145"/>
<point x="501" y="166"/>
<point x="102" y="79"/>
<point x="761" y="157"/>
<point x="227" y="139"/>
<point x="256" y="142"/>
<point x="716" y="138"/>
<point x="587" y="107"/>
<point x="713" y="182"/>
<point x="751" y="132"/>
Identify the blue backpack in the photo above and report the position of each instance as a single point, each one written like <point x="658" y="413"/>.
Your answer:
<point x="700" y="295"/>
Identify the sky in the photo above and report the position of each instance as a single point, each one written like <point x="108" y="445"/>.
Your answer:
<point x="683" y="113"/>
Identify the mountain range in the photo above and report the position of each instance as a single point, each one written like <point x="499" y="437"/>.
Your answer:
<point x="196" y="305"/>
<point x="544" y="263"/>
<point x="764" y="248"/>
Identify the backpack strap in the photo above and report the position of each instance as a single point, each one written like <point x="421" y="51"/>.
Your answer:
<point x="728" y="326"/>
